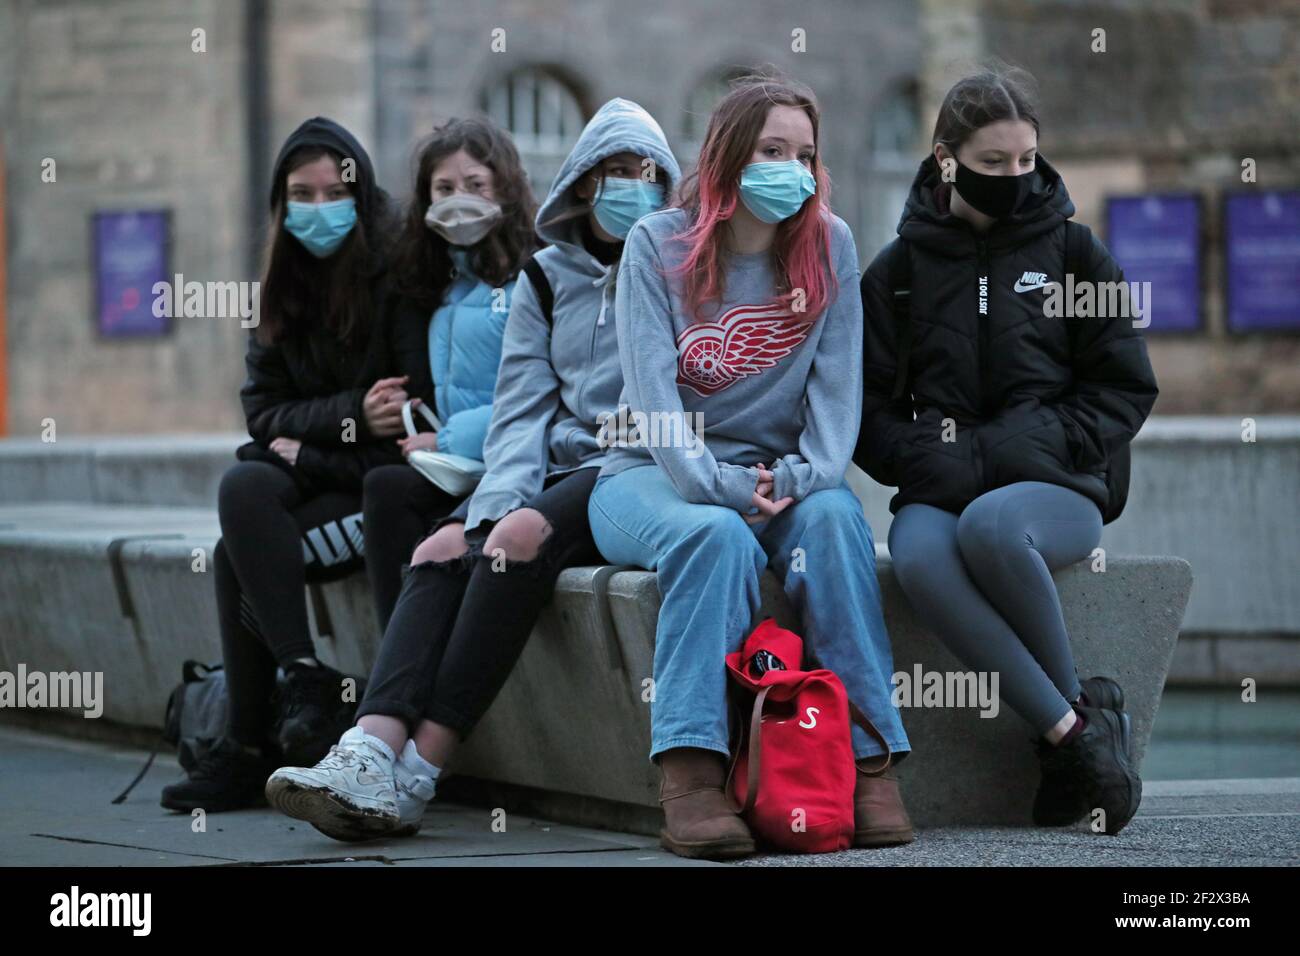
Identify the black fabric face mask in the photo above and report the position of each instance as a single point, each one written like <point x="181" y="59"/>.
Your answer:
<point x="995" y="196"/>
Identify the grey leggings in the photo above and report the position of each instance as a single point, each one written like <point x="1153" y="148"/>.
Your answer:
<point x="982" y="583"/>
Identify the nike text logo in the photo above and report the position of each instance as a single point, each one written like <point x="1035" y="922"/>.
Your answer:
<point x="1030" y="281"/>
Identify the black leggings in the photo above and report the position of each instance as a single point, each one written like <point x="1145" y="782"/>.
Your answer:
<point x="273" y="540"/>
<point x="399" y="506"/>
<point x="460" y="626"/>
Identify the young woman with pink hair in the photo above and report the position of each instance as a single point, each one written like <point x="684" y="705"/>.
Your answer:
<point x="739" y="316"/>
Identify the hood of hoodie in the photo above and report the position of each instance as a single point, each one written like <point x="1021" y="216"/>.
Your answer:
<point x="582" y="341"/>
<point x="372" y="201"/>
<point x="928" y="222"/>
<point x="620" y="126"/>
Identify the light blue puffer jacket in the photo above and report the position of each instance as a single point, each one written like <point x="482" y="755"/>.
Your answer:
<point x="464" y="354"/>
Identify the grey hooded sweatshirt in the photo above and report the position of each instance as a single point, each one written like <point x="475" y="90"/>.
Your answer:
<point x="557" y="383"/>
<point x="756" y="384"/>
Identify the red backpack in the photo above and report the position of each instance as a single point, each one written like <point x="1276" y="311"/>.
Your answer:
<point x="792" y="775"/>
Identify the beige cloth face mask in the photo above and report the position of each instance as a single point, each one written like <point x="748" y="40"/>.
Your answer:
<point x="462" y="219"/>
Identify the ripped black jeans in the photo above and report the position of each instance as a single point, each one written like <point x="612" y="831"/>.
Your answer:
<point x="459" y="626"/>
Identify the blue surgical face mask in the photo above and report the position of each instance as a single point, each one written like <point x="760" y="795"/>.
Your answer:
<point x="623" y="201"/>
<point x="776" y="191"/>
<point x="321" y="226"/>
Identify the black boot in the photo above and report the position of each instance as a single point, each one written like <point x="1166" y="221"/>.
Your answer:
<point x="312" y="713"/>
<point x="1060" y="801"/>
<point x="1092" y="771"/>
<point x="1102" y="692"/>
<point x="227" y="778"/>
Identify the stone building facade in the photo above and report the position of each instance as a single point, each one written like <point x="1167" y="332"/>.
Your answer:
<point x="135" y="117"/>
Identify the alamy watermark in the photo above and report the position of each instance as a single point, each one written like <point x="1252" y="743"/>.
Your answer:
<point x="1094" y="300"/>
<point x="208" y="300"/>
<point x="922" y="688"/>
<point x="130" y="910"/>
<point x="66" y="690"/>
<point x="637" y="429"/>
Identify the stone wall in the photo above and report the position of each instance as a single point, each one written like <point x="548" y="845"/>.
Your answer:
<point x="113" y="92"/>
<point x="133" y="118"/>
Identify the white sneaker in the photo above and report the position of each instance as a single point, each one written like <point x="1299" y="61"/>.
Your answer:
<point x="350" y="795"/>
<point x="416" y="780"/>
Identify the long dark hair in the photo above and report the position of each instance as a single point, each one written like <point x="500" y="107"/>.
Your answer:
<point x="298" y="290"/>
<point x="996" y="92"/>
<point x="421" y="262"/>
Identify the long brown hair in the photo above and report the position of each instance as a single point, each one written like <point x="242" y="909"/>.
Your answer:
<point x="996" y="92"/>
<point x="801" y="250"/>
<point x="421" y="261"/>
<point x="298" y="290"/>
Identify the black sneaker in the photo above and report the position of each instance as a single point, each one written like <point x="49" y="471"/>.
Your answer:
<point x="1091" y="772"/>
<point x="1115" y="787"/>
<point x="227" y="778"/>
<point x="1102" y="692"/>
<point x="1060" y="799"/>
<point x="313" y="714"/>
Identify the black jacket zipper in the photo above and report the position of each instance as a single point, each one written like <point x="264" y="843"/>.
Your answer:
<point x="985" y="296"/>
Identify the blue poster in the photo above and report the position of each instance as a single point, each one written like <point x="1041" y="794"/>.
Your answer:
<point x="130" y="255"/>
<point x="1262" y="260"/>
<point x="1157" y="239"/>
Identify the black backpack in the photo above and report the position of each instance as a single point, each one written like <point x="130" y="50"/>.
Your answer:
<point x="194" y="720"/>
<point x="542" y="286"/>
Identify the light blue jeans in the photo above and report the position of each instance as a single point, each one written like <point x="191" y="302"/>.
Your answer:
<point x="709" y="560"/>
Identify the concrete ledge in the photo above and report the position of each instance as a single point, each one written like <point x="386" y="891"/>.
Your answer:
<point x="570" y="727"/>
<point x="145" y="469"/>
<point x="964" y="769"/>
<point x="1218" y="659"/>
<point x="63" y="607"/>
<point x="1228" y="506"/>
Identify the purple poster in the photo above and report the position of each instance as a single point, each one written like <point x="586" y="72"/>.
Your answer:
<point x="1157" y="239"/>
<point x="130" y="255"/>
<point x="1262" y="260"/>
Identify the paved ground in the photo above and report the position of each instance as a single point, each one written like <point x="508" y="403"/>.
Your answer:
<point x="55" y="810"/>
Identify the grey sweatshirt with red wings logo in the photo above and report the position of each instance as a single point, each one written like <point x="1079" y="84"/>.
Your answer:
<point x="759" y="386"/>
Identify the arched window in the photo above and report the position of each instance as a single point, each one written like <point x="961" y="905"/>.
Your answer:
<point x="894" y="151"/>
<point x="543" y="114"/>
<point x="701" y="100"/>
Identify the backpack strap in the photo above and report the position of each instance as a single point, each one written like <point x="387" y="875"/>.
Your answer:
<point x="1078" y="238"/>
<point x="542" y="286"/>
<point x="900" y="285"/>
<point x="1076" y="248"/>
<point x="139" y="776"/>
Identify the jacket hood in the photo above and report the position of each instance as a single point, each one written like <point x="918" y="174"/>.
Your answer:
<point x="928" y="222"/>
<point x="619" y="126"/>
<point x="319" y="131"/>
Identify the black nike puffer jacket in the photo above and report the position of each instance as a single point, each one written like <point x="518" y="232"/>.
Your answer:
<point x="1032" y="398"/>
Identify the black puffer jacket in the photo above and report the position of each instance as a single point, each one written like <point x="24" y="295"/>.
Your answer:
<point x="305" y="386"/>
<point x="1032" y="398"/>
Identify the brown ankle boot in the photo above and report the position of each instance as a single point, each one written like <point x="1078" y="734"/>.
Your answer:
<point x="699" y="820"/>
<point x="879" y="817"/>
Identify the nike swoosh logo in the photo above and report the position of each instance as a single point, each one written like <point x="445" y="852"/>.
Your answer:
<point x="1028" y="288"/>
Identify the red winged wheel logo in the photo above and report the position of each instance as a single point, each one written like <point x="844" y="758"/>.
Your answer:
<point x="747" y="339"/>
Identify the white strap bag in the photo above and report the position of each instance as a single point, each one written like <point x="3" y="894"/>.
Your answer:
<point x="454" y="474"/>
